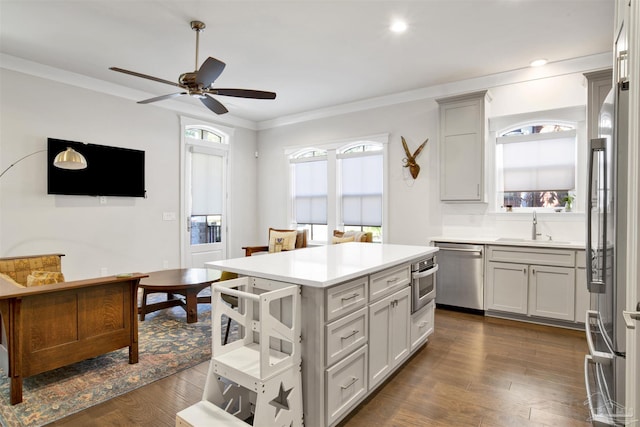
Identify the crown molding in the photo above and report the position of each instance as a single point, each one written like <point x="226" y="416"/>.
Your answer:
<point x="552" y="69"/>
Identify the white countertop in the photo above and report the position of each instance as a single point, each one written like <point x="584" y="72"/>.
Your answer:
<point x="324" y="266"/>
<point x="509" y="241"/>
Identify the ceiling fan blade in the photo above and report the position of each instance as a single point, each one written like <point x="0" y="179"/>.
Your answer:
<point x="214" y="105"/>
<point x="244" y="93"/>
<point x="209" y="71"/>
<point x="144" y="76"/>
<point x="160" y="98"/>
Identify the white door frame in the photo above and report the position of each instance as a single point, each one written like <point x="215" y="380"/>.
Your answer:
<point x="223" y="149"/>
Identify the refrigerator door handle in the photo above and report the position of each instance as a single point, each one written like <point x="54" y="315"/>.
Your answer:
<point x="598" y="356"/>
<point x="630" y="316"/>
<point x="595" y="144"/>
<point x="598" y="419"/>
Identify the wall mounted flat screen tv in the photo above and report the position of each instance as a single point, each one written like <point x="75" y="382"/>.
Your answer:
<point x="110" y="171"/>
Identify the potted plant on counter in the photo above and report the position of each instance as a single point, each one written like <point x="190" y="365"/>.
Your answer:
<point x="568" y="201"/>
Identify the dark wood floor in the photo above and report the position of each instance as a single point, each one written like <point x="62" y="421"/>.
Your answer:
<point x="475" y="371"/>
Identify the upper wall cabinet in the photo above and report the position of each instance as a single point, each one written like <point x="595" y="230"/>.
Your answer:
<point x="599" y="85"/>
<point x="462" y="139"/>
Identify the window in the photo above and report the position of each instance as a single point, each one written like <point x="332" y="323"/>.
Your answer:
<point x="205" y="153"/>
<point x="203" y="134"/>
<point x="361" y="188"/>
<point x="536" y="165"/>
<point x="339" y="186"/>
<point x="309" y="191"/>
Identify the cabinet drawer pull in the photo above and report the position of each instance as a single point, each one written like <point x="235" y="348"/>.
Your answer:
<point x="392" y="280"/>
<point x="352" y="382"/>
<point x="423" y="324"/>
<point x="350" y="297"/>
<point x="350" y="335"/>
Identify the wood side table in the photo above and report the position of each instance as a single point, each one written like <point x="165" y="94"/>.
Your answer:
<point x="186" y="282"/>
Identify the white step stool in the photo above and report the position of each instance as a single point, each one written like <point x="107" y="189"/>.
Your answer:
<point x="259" y="374"/>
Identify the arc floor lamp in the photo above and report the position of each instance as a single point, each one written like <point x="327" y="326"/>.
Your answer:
<point x="67" y="159"/>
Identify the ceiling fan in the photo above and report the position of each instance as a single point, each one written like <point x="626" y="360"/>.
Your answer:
<point x="198" y="83"/>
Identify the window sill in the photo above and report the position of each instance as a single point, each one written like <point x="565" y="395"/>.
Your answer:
<point x="547" y="215"/>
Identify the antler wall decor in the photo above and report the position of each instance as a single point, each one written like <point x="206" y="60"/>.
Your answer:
<point x="410" y="160"/>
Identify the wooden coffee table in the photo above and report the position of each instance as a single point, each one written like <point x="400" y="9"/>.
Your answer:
<point x="185" y="282"/>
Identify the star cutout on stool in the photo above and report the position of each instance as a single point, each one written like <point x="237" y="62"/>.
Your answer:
<point x="282" y="399"/>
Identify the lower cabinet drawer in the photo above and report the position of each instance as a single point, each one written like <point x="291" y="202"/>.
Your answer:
<point x="347" y="297"/>
<point x="346" y="334"/>
<point x="346" y="384"/>
<point x="388" y="281"/>
<point x="422" y="324"/>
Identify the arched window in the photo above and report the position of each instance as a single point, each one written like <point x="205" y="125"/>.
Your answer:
<point x="339" y="185"/>
<point x="536" y="165"/>
<point x="204" y="134"/>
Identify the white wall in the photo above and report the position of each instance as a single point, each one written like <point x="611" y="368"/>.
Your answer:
<point x="413" y="216"/>
<point x="126" y="234"/>
<point x="129" y="234"/>
<point x="415" y="212"/>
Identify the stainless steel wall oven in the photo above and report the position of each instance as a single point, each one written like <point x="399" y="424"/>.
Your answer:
<point x="423" y="282"/>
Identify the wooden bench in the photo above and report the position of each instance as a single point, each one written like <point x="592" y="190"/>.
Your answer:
<point x="49" y="326"/>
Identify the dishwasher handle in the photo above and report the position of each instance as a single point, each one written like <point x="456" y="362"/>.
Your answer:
<point x="478" y="251"/>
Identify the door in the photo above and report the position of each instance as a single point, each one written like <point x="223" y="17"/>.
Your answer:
<point x="379" y="340"/>
<point x="204" y="205"/>
<point x="400" y="327"/>
<point x="390" y="334"/>
<point x="552" y="292"/>
<point x="507" y="287"/>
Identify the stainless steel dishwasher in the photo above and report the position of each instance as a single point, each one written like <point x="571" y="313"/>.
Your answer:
<point x="460" y="277"/>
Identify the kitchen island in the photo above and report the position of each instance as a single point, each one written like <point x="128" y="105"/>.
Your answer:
<point x="357" y="325"/>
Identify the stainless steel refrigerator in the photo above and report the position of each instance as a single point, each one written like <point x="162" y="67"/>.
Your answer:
<point x="606" y="247"/>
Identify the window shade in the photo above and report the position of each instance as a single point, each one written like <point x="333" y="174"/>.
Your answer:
<point x="362" y="190"/>
<point x="540" y="162"/>
<point x="310" y="192"/>
<point x="206" y="184"/>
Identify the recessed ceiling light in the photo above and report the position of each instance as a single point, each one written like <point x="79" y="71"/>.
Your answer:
<point x="399" y="27"/>
<point x="538" y="62"/>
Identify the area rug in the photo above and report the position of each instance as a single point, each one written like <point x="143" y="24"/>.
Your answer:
<point x="167" y="344"/>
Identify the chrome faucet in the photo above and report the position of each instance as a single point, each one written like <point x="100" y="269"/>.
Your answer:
<point x="534" y="231"/>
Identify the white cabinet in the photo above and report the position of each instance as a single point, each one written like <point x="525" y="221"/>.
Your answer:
<point x="422" y="322"/>
<point x="461" y="146"/>
<point x="389" y="337"/>
<point x="346" y="384"/>
<point x="347" y="297"/>
<point x="346" y="334"/>
<point x="387" y="281"/>
<point x="599" y="84"/>
<point x="532" y="281"/>
<point x="507" y="287"/>
<point x="552" y="292"/>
